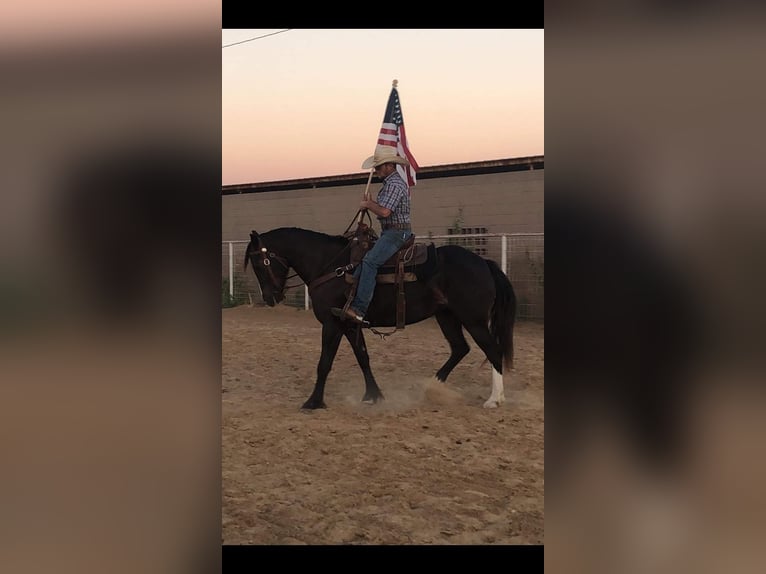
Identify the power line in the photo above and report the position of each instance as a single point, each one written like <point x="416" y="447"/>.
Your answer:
<point x="258" y="38"/>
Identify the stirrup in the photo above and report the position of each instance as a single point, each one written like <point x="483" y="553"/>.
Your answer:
<point x="358" y="319"/>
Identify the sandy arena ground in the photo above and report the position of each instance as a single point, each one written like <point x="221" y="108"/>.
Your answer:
<point x="428" y="465"/>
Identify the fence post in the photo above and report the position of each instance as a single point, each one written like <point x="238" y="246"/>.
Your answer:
<point x="231" y="269"/>
<point x="504" y="258"/>
<point x="497" y="378"/>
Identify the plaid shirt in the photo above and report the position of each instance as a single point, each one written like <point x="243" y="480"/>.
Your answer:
<point x="394" y="195"/>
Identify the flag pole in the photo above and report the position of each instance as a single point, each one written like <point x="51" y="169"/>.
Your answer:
<point x="366" y="195"/>
<point x="367" y="189"/>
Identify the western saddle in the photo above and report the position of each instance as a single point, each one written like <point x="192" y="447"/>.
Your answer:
<point x="399" y="269"/>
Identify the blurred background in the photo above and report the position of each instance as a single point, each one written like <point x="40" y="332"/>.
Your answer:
<point x="110" y="176"/>
<point x="654" y="348"/>
<point x="109" y="280"/>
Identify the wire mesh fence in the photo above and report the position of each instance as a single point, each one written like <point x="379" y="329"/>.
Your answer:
<point x="520" y="255"/>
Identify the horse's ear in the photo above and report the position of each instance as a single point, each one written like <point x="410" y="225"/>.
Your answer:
<point x="254" y="235"/>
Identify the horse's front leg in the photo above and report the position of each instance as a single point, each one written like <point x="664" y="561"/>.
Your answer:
<point x="372" y="392"/>
<point x="331" y="335"/>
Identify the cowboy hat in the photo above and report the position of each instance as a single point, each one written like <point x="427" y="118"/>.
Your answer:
<point x="383" y="154"/>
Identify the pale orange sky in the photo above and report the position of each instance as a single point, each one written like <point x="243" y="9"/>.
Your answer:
<point x="309" y="103"/>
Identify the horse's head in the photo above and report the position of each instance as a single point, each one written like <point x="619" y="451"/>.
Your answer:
<point x="270" y="269"/>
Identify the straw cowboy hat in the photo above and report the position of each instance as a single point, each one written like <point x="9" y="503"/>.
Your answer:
<point x="383" y="154"/>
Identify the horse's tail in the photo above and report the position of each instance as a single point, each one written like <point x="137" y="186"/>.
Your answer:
<point x="503" y="313"/>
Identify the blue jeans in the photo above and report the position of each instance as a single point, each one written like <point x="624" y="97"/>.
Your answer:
<point x="387" y="244"/>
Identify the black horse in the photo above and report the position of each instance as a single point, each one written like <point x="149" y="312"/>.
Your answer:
<point x="465" y="291"/>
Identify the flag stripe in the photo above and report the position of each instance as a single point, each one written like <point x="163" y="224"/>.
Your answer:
<point x="408" y="154"/>
<point x="392" y="134"/>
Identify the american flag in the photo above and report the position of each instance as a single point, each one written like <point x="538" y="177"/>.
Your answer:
<point x="392" y="134"/>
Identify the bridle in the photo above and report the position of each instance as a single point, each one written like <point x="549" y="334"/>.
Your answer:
<point x="267" y="256"/>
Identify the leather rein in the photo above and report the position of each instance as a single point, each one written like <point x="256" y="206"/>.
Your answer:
<point x="267" y="256"/>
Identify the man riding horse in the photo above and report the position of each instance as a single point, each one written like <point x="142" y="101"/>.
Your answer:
<point x="392" y="207"/>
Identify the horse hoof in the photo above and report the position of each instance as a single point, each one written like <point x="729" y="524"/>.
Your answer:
<point x="309" y="405"/>
<point x="491" y="404"/>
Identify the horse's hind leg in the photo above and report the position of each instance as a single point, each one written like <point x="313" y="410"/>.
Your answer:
<point x="480" y="333"/>
<point x="331" y="334"/>
<point x="372" y="392"/>
<point x="452" y="329"/>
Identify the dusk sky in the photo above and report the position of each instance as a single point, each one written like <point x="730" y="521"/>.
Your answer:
<point x="309" y="103"/>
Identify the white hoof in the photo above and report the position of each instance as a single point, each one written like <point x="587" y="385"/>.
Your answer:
<point x="497" y="396"/>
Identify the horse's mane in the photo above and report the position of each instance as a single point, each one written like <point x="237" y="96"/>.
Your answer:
<point x="308" y="233"/>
